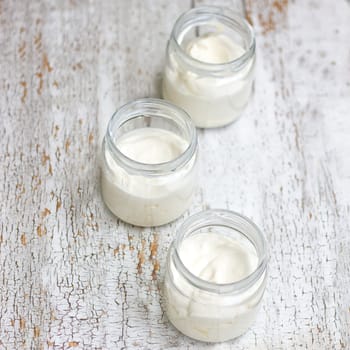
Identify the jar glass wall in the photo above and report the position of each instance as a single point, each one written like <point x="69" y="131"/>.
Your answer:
<point x="156" y="192"/>
<point x="213" y="94"/>
<point x="208" y="311"/>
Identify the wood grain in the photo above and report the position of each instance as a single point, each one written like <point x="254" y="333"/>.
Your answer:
<point x="72" y="275"/>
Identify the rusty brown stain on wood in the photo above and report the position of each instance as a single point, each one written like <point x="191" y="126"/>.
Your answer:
<point x="58" y="205"/>
<point x="280" y="5"/>
<point x="22" y="323"/>
<point x="248" y="11"/>
<point x="12" y="322"/>
<point x="116" y="251"/>
<point x="154" y="246"/>
<point x="41" y="230"/>
<point x="91" y="221"/>
<point x="25" y="91"/>
<point x="155" y="269"/>
<point x="44" y="158"/>
<point x="36" y="182"/>
<point x="39" y="75"/>
<point x="36" y="332"/>
<point x="77" y="66"/>
<point x="46" y="63"/>
<point x="45" y="212"/>
<point x="21" y="50"/>
<point x="91" y="138"/>
<point x="67" y="145"/>
<point x="153" y="255"/>
<point x="80" y="233"/>
<point x="50" y="343"/>
<point x="52" y="315"/>
<point x="1" y="238"/>
<point x="270" y="14"/>
<point x="20" y="187"/>
<point x="44" y="66"/>
<point x="141" y="260"/>
<point x="22" y="30"/>
<point x="122" y="249"/>
<point x="267" y="24"/>
<point x="55" y="84"/>
<point x="73" y="344"/>
<point x="23" y="239"/>
<point x="141" y="256"/>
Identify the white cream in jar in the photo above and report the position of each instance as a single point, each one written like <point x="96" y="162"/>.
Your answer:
<point x="151" y="145"/>
<point x="214" y="48"/>
<point x="149" y="163"/>
<point x="215" y="276"/>
<point x="217" y="258"/>
<point x="209" y="66"/>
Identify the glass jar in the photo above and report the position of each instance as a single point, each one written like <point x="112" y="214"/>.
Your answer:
<point x="213" y="94"/>
<point x="208" y="311"/>
<point x="149" y="194"/>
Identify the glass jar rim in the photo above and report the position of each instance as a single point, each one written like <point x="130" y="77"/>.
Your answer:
<point x="228" y="219"/>
<point x="229" y="16"/>
<point x="158" y="108"/>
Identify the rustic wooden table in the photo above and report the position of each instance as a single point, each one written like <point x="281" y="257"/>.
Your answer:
<point x="72" y="275"/>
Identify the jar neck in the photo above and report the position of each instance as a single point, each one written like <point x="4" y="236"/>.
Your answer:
<point x="155" y="113"/>
<point x="218" y="17"/>
<point x="228" y="220"/>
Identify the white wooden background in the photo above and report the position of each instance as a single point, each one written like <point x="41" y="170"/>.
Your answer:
<point x="72" y="275"/>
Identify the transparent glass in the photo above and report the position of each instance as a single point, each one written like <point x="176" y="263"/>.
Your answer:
<point x="148" y="194"/>
<point x="212" y="94"/>
<point x="209" y="311"/>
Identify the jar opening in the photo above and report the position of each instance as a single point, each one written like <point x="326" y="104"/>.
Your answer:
<point x="204" y="20"/>
<point x="226" y="221"/>
<point x="157" y="114"/>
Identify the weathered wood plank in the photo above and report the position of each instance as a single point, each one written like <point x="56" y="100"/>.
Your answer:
<point x="73" y="276"/>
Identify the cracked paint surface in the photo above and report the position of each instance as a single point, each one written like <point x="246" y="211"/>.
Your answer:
<point x="74" y="276"/>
